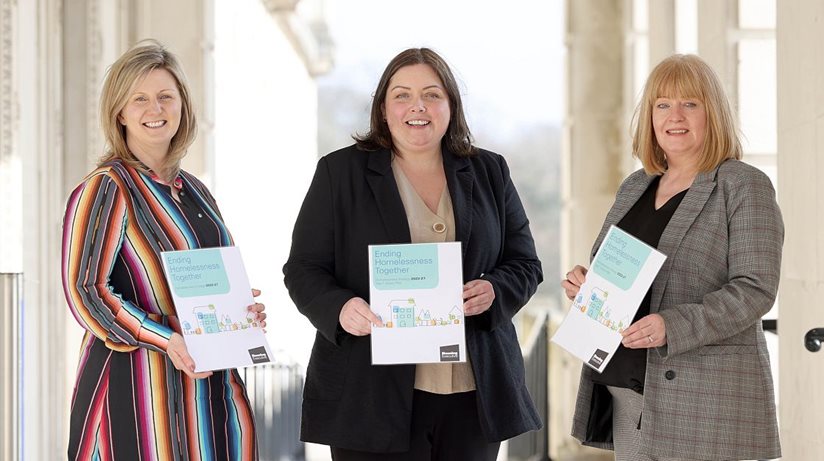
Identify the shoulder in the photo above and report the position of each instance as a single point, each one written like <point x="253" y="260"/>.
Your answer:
<point x="743" y="187"/>
<point x="635" y="179"/>
<point x="636" y="176"/>
<point x="736" y="172"/>
<point x="349" y="155"/>
<point x="487" y="157"/>
<point x="112" y="172"/>
<point x="486" y="163"/>
<point x="740" y="181"/>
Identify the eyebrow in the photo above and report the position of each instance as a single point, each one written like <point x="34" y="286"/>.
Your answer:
<point x="408" y="88"/>
<point x="161" y="91"/>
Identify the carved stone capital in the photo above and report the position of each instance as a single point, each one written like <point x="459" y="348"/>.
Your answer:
<point x="280" y="6"/>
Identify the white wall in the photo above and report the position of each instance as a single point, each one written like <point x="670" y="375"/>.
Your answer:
<point x="265" y="152"/>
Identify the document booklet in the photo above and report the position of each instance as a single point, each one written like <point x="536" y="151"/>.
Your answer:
<point x="621" y="274"/>
<point x="211" y="293"/>
<point x="417" y="291"/>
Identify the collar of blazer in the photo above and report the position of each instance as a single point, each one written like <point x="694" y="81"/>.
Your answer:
<point x="681" y="220"/>
<point x="459" y="180"/>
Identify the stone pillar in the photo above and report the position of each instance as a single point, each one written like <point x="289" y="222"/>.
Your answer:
<point x="187" y="28"/>
<point x="800" y="78"/>
<point x="661" y="30"/>
<point x="716" y="20"/>
<point x="36" y="47"/>
<point x="593" y="156"/>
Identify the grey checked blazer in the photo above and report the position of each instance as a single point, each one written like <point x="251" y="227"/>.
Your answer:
<point x="708" y="392"/>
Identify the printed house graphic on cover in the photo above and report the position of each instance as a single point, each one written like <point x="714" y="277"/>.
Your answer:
<point x="208" y="323"/>
<point x="404" y="313"/>
<point x="595" y="310"/>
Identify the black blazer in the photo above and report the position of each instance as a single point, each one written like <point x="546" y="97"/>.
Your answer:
<point x="354" y="202"/>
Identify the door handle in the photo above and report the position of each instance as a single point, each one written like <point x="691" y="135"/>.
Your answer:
<point x="813" y="339"/>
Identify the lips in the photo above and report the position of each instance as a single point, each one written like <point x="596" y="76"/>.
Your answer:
<point x="678" y="131"/>
<point x="417" y="122"/>
<point x="155" y="124"/>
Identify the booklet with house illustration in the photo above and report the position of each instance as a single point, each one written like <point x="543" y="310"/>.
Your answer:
<point x="619" y="278"/>
<point x="211" y="293"/>
<point x="417" y="291"/>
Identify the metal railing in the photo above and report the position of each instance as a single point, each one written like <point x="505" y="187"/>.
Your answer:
<point x="11" y="310"/>
<point x="275" y="392"/>
<point x="534" y="446"/>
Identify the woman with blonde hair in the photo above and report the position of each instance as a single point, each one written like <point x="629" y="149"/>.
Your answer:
<point x="137" y="395"/>
<point x="691" y="380"/>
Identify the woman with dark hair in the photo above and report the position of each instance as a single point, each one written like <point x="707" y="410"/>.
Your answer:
<point x="137" y="395"/>
<point x="414" y="177"/>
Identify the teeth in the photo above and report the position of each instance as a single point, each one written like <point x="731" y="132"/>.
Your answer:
<point x="677" y="131"/>
<point x="156" y="124"/>
<point x="418" y="122"/>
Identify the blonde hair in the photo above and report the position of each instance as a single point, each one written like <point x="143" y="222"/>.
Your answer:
<point x="121" y="78"/>
<point x="686" y="76"/>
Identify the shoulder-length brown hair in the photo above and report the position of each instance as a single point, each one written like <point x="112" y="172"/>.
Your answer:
<point x="457" y="138"/>
<point x="121" y="78"/>
<point x="686" y="76"/>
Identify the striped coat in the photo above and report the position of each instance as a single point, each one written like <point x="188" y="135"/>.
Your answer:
<point x="129" y="401"/>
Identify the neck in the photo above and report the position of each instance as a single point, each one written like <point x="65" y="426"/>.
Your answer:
<point x="152" y="157"/>
<point x="420" y="160"/>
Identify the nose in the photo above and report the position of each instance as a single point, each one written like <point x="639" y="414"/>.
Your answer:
<point x="156" y="106"/>
<point x="677" y="113"/>
<point x="418" y="105"/>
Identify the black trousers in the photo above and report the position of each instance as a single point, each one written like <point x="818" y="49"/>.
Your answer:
<point x="444" y="428"/>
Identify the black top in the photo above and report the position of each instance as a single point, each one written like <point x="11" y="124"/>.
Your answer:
<point x="628" y="366"/>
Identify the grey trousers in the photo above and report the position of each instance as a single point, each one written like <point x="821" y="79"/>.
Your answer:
<point x="627" y="406"/>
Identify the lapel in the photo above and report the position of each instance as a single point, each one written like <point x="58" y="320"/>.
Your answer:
<point x="692" y="204"/>
<point x="382" y="183"/>
<point x="460" y="181"/>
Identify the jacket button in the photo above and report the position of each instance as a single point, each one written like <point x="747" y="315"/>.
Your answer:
<point x="670" y="375"/>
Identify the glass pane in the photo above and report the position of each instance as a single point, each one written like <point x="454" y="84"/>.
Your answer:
<point x="756" y="14"/>
<point x="757" y="95"/>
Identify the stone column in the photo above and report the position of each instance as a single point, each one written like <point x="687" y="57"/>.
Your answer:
<point x="187" y="28"/>
<point x="800" y="78"/>
<point x="661" y="30"/>
<point x="37" y="129"/>
<point x="593" y="155"/>
<point x="716" y="20"/>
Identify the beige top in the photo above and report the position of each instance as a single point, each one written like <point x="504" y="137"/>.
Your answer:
<point x="428" y="227"/>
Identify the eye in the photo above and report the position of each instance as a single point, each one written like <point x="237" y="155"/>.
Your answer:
<point x="402" y="96"/>
<point x="691" y="104"/>
<point x="432" y="95"/>
<point x="140" y="99"/>
<point x="165" y="96"/>
<point x="662" y="105"/>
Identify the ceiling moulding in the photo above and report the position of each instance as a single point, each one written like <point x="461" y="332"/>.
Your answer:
<point x="309" y="36"/>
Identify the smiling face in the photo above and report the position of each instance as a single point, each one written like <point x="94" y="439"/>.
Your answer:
<point x="416" y="109"/>
<point x="152" y="113"/>
<point x="680" y="127"/>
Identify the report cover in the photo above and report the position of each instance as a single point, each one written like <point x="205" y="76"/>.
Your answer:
<point x="417" y="291"/>
<point x="621" y="274"/>
<point x="211" y="293"/>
